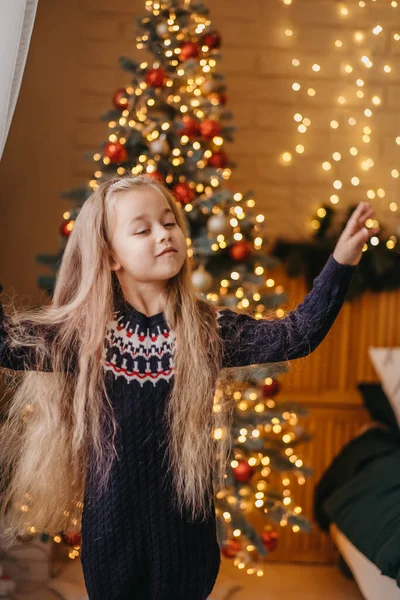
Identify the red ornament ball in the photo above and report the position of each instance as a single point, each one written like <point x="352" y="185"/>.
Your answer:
<point x="116" y="152"/>
<point x="156" y="175"/>
<point x="231" y="548"/>
<point x="209" y="128"/>
<point x="272" y="388"/>
<point x="183" y="192"/>
<point x="270" y="540"/>
<point x="120" y="99"/>
<point x="66" y="228"/>
<point x="243" y="472"/>
<point x="73" y="538"/>
<point x="240" y="250"/>
<point x="219" y="159"/>
<point x="212" y="40"/>
<point x="188" y="50"/>
<point x="190" y="127"/>
<point x="155" y="77"/>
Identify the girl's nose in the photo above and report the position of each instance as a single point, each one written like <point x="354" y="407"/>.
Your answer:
<point x="163" y="235"/>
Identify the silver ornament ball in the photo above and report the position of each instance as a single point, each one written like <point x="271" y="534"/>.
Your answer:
<point x="218" y="224"/>
<point x="201" y="279"/>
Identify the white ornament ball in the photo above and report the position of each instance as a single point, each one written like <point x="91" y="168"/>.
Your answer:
<point x="162" y="29"/>
<point x="218" y="224"/>
<point x="201" y="279"/>
<point x="159" y="146"/>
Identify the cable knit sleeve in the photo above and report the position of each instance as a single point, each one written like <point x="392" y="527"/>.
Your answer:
<point x="248" y="341"/>
<point x="22" y="358"/>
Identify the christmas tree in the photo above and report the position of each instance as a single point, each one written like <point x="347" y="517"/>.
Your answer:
<point x="171" y="123"/>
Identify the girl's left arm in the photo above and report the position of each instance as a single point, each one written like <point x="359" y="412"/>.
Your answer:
<point x="24" y="358"/>
<point x="248" y="341"/>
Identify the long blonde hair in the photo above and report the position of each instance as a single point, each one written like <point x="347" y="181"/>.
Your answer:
<point x="53" y="418"/>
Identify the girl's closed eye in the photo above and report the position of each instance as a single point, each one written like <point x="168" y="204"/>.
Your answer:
<point x="145" y="230"/>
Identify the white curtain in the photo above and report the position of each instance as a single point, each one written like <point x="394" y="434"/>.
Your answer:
<point x="16" y="24"/>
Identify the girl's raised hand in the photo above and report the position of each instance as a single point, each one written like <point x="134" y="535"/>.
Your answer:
<point x="348" y="249"/>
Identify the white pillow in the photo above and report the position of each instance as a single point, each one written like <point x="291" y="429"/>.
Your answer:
<point x="386" y="362"/>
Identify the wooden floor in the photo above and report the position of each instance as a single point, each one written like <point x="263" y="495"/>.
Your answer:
<point x="280" y="582"/>
<point x="285" y="582"/>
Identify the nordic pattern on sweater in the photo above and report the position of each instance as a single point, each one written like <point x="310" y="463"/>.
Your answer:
<point x="137" y="353"/>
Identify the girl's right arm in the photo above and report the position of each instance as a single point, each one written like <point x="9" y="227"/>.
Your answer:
<point x="22" y="358"/>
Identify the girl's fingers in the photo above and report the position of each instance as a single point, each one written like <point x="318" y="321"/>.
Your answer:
<point x="368" y="216"/>
<point x="365" y="214"/>
<point x="359" y="217"/>
<point x="360" y="238"/>
<point x="359" y="213"/>
<point x="364" y="235"/>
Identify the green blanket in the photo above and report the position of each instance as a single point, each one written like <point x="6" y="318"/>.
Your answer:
<point x="360" y="492"/>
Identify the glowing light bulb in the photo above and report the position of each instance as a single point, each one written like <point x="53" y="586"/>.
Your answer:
<point x="377" y="30"/>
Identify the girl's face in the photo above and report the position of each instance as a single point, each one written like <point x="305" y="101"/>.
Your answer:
<point x="144" y="225"/>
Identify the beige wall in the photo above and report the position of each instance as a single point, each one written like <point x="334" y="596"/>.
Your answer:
<point x="37" y="162"/>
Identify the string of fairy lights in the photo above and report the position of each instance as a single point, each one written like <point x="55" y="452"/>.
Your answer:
<point x="358" y="68"/>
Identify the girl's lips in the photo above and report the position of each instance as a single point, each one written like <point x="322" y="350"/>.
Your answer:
<point x="167" y="251"/>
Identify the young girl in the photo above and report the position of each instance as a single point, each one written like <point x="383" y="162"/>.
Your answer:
<point x="113" y="412"/>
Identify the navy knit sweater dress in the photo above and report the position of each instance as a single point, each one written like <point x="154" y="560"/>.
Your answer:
<point x="135" y="544"/>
